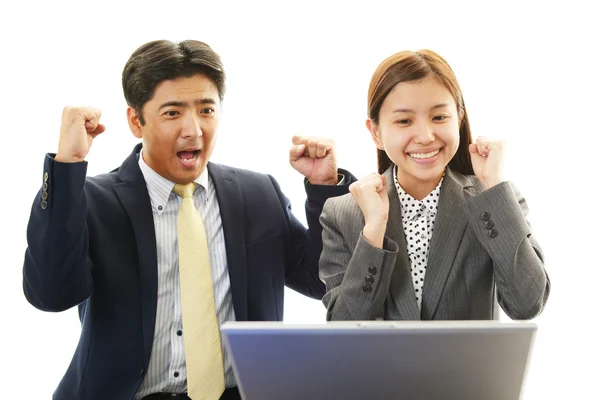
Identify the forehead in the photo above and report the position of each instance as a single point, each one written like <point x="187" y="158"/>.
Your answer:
<point x="423" y="93"/>
<point x="184" y="88"/>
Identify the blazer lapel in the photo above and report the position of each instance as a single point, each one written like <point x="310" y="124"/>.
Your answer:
<point x="231" y="205"/>
<point x="402" y="293"/>
<point x="448" y="232"/>
<point x="133" y="194"/>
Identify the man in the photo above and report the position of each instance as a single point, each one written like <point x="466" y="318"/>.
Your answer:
<point x="127" y="246"/>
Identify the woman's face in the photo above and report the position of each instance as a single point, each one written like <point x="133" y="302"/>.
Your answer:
<point x="419" y="130"/>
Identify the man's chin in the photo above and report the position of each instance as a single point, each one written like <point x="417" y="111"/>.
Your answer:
<point x="184" y="177"/>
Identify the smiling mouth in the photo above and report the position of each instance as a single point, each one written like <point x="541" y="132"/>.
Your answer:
<point x="424" y="155"/>
<point x="188" y="156"/>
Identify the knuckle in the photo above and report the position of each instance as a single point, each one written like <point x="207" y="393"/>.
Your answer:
<point x="69" y="110"/>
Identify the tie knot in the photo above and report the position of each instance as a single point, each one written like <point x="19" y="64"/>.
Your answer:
<point x="185" y="191"/>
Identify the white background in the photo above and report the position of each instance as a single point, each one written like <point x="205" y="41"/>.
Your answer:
<point x="528" y="70"/>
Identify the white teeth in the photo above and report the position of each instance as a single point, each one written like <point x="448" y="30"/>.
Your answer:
<point x="188" y="160"/>
<point x="424" y="155"/>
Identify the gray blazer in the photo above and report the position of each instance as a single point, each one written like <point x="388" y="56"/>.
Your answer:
<point x="482" y="254"/>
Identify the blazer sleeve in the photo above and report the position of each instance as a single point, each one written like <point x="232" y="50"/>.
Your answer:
<point x="57" y="272"/>
<point x="499" y="218"/>
<point x="305" y="245"/>
<point x="357" y="278"/>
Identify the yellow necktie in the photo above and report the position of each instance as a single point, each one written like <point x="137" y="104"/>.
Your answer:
<point x="203" y="358"/>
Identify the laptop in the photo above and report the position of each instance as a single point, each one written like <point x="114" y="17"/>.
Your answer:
<point x="380" y="359"/>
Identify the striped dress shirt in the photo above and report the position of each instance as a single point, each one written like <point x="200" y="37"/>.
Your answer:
<point x="166" y="371"/>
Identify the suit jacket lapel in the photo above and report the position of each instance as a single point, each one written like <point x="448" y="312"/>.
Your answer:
<point x="133" y="194"/>
<point x="448" y="233"/>
<point x="402" y="293"/>
<point x="229" y="196"/>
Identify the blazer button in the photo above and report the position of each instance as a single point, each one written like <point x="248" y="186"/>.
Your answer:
<point x="44" y="205"/>
<point x="142" y="371"/>
<point x="369" y="279"/>
<point x="485" y="215"/>
<point x="367" y="288"/>
<point x="45" y="176"/>
<point x="44" y="186"/>
<point x="372" y="270"/>
<point x="44" y="195"/>
<point x="489" y="224"/>
<point x="493" y="233"/>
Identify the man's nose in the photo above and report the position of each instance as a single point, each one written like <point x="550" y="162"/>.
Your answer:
<point x="191" y="127"/>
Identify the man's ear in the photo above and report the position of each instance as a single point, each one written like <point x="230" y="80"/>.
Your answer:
<point x="134" y="122"/>
<point x="375" y="133"/>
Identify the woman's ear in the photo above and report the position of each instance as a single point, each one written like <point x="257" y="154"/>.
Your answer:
<point x="375" y="133"/>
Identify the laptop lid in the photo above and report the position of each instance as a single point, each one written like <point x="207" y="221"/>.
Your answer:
<point x="380" y="359"/>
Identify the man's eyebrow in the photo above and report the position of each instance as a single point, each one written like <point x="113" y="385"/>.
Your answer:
<point x="177" y="103"/>
<point x="205" y="100"/>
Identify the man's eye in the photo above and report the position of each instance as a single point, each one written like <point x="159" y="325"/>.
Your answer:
<point x="208" y="111"/>
<point x="171" y="113"/>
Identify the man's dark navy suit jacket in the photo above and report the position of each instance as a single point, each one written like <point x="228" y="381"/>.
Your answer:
<point x="91" y="243"/>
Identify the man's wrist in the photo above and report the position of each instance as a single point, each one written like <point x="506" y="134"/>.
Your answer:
<point x="338" y="180"/>
<point x="67" y="159"/>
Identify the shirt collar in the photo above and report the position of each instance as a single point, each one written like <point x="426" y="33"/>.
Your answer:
<point x="160" y="188"/>
<point x="412" y="208"/>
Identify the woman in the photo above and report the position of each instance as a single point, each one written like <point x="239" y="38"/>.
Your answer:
<point x="437" y="234"/>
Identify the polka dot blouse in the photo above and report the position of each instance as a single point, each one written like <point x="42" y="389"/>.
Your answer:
<point x="418" y="218"/>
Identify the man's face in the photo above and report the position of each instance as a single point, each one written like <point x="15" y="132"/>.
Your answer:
<point x="180" y="130"/>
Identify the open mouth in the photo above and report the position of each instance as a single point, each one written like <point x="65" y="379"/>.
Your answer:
<point x="423" y="156"/>
<point x="188" y="156"/>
